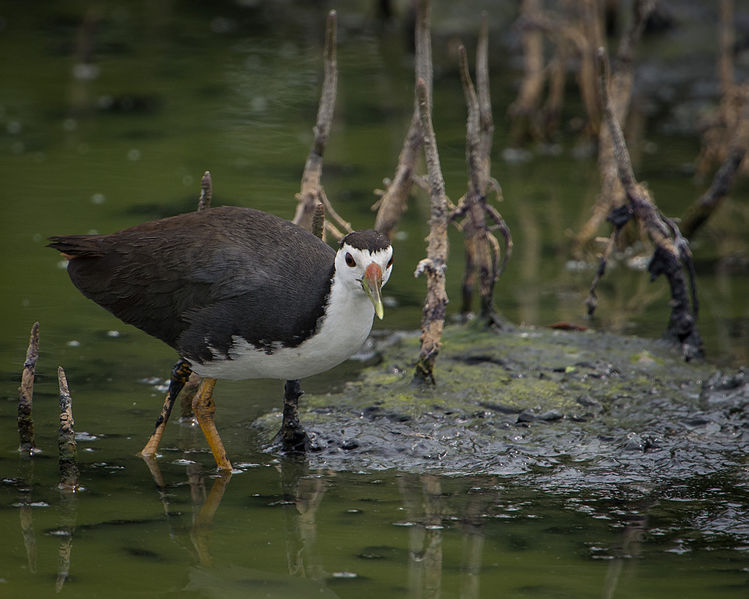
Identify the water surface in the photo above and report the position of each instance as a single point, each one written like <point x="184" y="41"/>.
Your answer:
<point x="173" y="90"/>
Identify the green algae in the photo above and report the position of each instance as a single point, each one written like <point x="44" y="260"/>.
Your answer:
<point x="518" y="369"/>
<point x="524" y="400"/>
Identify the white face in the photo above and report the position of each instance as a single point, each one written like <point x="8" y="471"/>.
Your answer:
<point x="351" y="264"/>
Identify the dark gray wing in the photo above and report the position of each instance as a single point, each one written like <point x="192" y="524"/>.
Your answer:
<point x="198" y="279"/>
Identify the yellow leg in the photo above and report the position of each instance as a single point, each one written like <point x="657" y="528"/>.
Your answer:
<point x="204" y="408"/>
<point x="150" y="448"/>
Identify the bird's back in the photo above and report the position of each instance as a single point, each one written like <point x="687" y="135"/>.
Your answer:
<point x="199" y="279"/>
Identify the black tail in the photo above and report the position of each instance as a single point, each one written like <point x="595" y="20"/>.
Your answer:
<point x="76" y="245"/>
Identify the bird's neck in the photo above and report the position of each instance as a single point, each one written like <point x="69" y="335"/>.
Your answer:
<point x="346" y="298"/>
<point x="349" y="314"/>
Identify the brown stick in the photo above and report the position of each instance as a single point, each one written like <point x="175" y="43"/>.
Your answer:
<point x="552" y="108"/>
<point x="206" y="191"/>
<point x="26" y="395"/>
<point x="671" y="248"/>
<point x="524" y="109"/>
<point x="66" y="444"/>
<point x="591" y="302"/>
<point x="67" y="450"/>
<point x="318" y="222"/>
<point x="333" y="215"/>
<point x="392" y="204"/>
<point x="718" y="137"/>
<point x="726" y="41"/>
<point x="475" y="229"/>
<point x="481" y="247"/>
<point x="620" y="90"/>
<point x="310" y="194"/>
<point x="435" y="263"/>
<point x="702" y="209"/>
<point x="589" y="39"/>
<point x="423" y="66"/>
<point x="726" y="138"/>
<point x="486" y="121"/>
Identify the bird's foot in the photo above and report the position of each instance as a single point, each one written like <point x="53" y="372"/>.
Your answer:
<point x="292" y="438"/>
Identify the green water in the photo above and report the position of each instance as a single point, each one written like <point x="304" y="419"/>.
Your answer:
<point x="182" y="88"/>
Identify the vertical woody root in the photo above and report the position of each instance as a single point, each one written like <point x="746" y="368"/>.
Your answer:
<point x="434" y="264"/>
<point x="726" y="138"/>
<point x="620" y="85"/>
<point x="672" y="255"/>
<point x="68" y="486"/>
<point x="480" y="218"/>
<point x="26" y="395"/>
<point x="66" y="444"/>
<point x="312" y="195"/>
<point x="393" y="201"/>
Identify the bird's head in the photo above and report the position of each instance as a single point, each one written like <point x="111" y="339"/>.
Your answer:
<point x="364" y="261"/>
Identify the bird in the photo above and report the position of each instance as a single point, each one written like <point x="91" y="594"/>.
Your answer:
<point x="239" y="294"/>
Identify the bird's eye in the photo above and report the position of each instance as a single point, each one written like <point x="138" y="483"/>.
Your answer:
<point x="390" y="262"/>
<point x="350" y="260"/>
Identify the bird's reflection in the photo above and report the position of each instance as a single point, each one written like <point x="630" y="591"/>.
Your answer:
<point x="434" y="516"/>
<point x="301" y="494"/>
<point x="202" y="520"/>
<point x="205" y="504"/>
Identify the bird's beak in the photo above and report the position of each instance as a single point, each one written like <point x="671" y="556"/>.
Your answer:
<point x="372" y="285"/>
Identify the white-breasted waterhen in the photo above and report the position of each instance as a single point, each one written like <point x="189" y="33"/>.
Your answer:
<point x="239" y="294"/>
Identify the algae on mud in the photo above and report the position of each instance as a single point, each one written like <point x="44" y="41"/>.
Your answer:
<point x="565" y="406"/>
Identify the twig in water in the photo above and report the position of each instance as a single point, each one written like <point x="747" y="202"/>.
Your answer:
<point x="66" y="443"/>
<point x="26" y="395"/>
<point x="206" y="191"/>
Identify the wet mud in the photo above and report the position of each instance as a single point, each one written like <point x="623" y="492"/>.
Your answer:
<point x="560" y="409"/>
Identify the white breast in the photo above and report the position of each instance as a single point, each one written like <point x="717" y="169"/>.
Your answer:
<point x="342" y="332"/>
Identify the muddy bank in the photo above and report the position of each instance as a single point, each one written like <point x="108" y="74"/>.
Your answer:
<point x="577" y="408"/>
